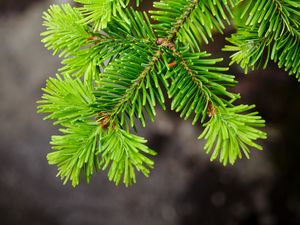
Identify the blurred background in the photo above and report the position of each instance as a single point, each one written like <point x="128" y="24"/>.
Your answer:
<point x="183" y="189"/>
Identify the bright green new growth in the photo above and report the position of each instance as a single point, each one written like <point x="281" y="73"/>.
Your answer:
<point x="270" y="31"/>
<point x="119" y="63"/>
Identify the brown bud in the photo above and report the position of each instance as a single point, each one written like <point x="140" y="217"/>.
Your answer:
<point x="92" y="38"/>
<point x="172" y="64"/>
<point x="104" y="120"/>
<point x="211" y="110"/>
<point x="160" y="41"/>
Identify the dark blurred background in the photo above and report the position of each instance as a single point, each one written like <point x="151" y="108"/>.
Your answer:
<point x="183" y="189"/>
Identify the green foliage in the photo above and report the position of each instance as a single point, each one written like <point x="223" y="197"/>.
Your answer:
<point x="190" y="20"/>
<point x="100" y="12"/>
<point x="67" y="100"/>
<point x="119" y="36"/>
<point x="123" y="152"/>
<point x="133" y="81"/>
<point x="270" y="30"/>
<point x="85" y="147"/>
<point x="236" y="131"/>
<point x="118" y="65"/>
<point x="65" y="33"/>
<point x="75" y="151"/>
<point x="198" y="82"/>
<point x="249" y="49"/>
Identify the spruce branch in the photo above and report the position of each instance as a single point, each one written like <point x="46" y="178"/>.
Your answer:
<point x="75" y="151"/>
<point x="249" y="49"/>
<point x="117" y="63"/>
<point x="87" y="147"/>
<point x="197" y="82"/>
<point x="65" y="33"/>
<point x="124" y="153"/>
<point x="67" y="100"/>
<point x="270" y="28"/>
<point x="100" y="12"/>
<point x="133" y="84"/>
<point x="237" y="131"/>
<point x="188" y="20"/>
<point x="118" y="37"/>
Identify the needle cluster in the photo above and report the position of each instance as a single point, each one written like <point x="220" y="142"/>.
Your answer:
<point x="119" y="65"/>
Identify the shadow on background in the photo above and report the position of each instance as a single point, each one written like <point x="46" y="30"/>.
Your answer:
<point x="184" y="188"/>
